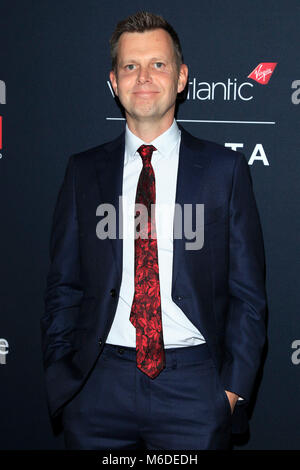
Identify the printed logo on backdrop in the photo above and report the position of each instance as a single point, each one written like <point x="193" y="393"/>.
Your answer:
<point x="296" y="94"/>
<point x="263" y="72"/>
<point x="3" y="350"/>
<point x="232" y="90"/>
<point x="2" y="101"/>
<point x="257" y="154"/>
<point x="295" y="357"/>
<point x="227" y="90"/>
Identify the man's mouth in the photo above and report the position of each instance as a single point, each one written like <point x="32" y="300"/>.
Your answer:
<point x="145" y="93"/>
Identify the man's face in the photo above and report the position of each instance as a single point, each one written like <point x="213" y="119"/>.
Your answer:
<point x="147" y="79"/>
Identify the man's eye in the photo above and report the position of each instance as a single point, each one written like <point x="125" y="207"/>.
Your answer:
<point x="130" y="67"/>
<point x="158" y="65"/>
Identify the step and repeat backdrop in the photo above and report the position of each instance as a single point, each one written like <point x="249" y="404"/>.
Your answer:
<point x="56" y="99"/>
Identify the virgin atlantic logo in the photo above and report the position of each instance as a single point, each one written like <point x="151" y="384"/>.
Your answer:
<point x="263" y="72"/>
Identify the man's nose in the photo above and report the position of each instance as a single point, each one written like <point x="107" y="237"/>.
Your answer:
<point x="144" y="75"/>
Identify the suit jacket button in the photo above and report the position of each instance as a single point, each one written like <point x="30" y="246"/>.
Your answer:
<point x="100" y="341"/>
<point x="113" y="292"/>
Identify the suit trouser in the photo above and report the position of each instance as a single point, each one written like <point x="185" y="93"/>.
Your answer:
<point x="119" y="407"/>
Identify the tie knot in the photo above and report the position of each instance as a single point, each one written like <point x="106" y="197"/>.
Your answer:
<point x="145" y="152"/>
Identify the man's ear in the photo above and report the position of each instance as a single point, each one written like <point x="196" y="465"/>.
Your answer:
<point x="183" y="77"/>
<point x="113" y="80"/>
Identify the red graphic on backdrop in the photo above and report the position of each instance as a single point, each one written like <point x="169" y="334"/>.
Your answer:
<point x="263" y="72"/>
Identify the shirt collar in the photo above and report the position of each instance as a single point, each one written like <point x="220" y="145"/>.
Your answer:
<point x="164" y="143"/>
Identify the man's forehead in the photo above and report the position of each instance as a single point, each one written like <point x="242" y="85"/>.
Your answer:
<point x="155" y="37"/>
<point x="153" y="43"/>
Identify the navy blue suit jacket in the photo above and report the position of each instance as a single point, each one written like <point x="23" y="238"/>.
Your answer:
<point x="220" y="287"/>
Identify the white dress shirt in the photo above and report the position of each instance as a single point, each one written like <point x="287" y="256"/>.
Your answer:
<point x="178" y="331"/>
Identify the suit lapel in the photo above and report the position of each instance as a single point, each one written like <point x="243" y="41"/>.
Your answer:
<point x="109" y="169"/>
<point x="191" y="184"/>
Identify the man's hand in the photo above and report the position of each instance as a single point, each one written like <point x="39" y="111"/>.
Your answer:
<point x="233" y="398"/>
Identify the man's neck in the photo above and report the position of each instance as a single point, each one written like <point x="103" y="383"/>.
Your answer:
<point x="148" y="131"/>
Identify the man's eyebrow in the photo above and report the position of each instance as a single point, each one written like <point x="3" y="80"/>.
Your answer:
<point x="127" y="60"/>
<point x="132" y="61"/>
<point x="159" y="58"/>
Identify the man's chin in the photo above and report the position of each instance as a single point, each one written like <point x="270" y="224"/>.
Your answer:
<point x="144" y="115"/>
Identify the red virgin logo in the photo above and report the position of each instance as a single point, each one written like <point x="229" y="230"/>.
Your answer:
<point x="263" y="72"/>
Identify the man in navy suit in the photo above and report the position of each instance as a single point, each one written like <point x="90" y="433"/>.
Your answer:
<point x="212" y="298"/>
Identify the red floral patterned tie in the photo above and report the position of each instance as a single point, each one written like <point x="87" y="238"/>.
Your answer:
<point x="146" y="306"/>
